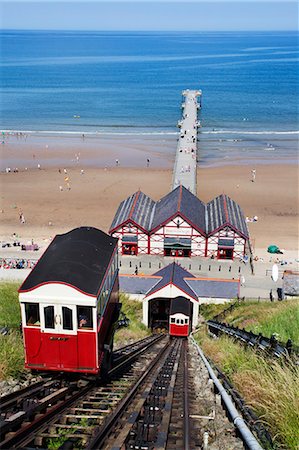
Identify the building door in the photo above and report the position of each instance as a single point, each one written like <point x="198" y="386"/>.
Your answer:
<point x="59" y="336"/>
<point x="225" y="248"/>
<point x="129" y="245"/>
<point x="225" y="253"/>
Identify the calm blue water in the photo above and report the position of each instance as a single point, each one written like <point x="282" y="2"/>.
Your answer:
<point x="132" y="83"/>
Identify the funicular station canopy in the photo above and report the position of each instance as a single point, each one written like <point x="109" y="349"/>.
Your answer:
<point x="156" y="291"/>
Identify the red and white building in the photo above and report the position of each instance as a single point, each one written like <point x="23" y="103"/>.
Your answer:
<point x="180" y="225"/>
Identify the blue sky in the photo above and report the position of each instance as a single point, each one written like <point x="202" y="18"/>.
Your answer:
<point x="201" y="15"/>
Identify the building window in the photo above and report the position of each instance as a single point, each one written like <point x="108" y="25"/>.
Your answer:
<point x="84" y="314"/>
<point x="32" y="314"/>
<point x="49" y="317"/>
<point x="67" y="318"/>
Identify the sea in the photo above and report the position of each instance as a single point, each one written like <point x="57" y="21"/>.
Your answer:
<point x="130" y="84"/>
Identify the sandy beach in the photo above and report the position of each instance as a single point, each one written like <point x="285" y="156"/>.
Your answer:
<point x="49" y="207"/>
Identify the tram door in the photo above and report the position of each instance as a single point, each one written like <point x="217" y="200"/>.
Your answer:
<point x="59" y="336"/>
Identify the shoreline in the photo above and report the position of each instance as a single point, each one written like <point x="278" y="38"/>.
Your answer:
<point x="132" y="150"/>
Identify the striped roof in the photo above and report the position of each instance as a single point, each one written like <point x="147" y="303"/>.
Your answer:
<point x="180" y="200"/>
<point x="138" y="207"/>
<point x="149" y="215"/>
<point x="221" y="211"/>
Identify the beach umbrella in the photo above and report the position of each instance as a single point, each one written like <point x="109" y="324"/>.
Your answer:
<point x="273" y="249"/>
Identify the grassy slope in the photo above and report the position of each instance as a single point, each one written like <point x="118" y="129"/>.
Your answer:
<point x="136" y="330"/>
<point x="270" y="387"/>
<point x="281" y="318"/>
<point x="11" y="346"/>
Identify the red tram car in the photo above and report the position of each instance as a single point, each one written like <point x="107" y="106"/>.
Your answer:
<point x="179" y="317"/>
<point x="70" y="304"/>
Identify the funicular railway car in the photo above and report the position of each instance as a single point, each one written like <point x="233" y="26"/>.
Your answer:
<point x="179" y="317"/>
<point x="70" y="304"/>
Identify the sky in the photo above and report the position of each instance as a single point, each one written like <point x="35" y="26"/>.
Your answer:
<point x="165" y="15"/>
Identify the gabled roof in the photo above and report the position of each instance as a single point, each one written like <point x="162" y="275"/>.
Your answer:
<point x="180" y="200"/>
<point x="138" y="207"/>
<point x="150" y="215"/>
<point x="173" y="274"/>
<point x="79" y="258"/>
<point x="221" y="211"/>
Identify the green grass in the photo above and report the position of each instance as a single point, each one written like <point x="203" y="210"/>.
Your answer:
<point x="11" y="345"/>
<point x="136" y="330"/>
<point x="279" y="318"/>
<point x="10" y="313"/>
<point x="209" y="311"/>
<point x="11" y="355"/>
<point x="270" y="387"/>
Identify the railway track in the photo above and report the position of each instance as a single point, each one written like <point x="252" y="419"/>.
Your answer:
<point x="163" y="400"/>
<point x="26" y="412"/>
<point x="173" y="407"/>
<point x="270" y="345"/>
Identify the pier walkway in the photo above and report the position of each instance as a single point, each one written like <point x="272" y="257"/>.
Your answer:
<point x="184" y="171"/>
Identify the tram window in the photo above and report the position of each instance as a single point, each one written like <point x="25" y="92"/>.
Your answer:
<point x="186" y="320"/>
<point x="172" y="320"/>
<point x="49" y="317"/>
<point x="32" y="314"/>
<point x="67" y="318"/>
<point x="84" y="314"/>
<point x="182" y="322"/>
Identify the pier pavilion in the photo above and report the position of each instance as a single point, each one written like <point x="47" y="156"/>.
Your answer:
<point x="181" y="225"/>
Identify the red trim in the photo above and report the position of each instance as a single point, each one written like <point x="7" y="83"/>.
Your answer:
<point x="56" y="282"/>
<point x="182" y="290"/>
<point x="122" y="224"/>
<point x="178" y="213"/>
<point x="180" y="197"/>
<point x="225" y="207"/>
<point x="229" y="226"/>
<point x="134" y="204"/>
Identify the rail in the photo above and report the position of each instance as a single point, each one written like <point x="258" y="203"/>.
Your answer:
<point x="270" y="345"/>
<point x="27" y="412"/>
<point x="247" y="436"/>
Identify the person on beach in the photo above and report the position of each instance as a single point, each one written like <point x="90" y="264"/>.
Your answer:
<point x="253" y="175"/>
<point x="147" y="162"/>
<point x="117" y="162"/>
<point x="22" y="218"/>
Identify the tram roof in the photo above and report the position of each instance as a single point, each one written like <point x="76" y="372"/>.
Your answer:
<point x="79" y="258"/>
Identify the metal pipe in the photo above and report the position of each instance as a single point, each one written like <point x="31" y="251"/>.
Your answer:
<point x="238" y="421"/>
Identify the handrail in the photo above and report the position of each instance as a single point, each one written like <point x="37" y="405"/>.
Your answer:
<point x="238" y="421"/>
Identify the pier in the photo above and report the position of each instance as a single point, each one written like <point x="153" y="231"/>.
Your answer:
<point x="184" y="172"/>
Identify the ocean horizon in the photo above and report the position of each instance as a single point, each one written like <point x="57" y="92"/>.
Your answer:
<point x="130" y="83"/>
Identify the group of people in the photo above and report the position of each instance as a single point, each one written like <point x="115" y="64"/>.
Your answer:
<point x="10" y="263"/>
